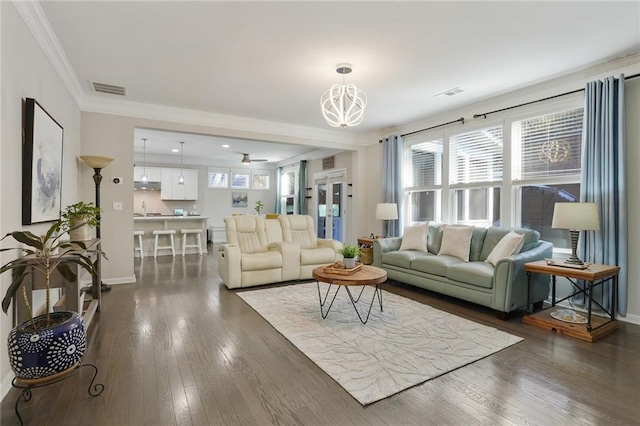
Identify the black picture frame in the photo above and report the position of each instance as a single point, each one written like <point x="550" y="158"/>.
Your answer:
<point x="41" y="165"/>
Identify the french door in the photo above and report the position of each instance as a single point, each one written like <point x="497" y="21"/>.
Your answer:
<point x="330" y="212"/>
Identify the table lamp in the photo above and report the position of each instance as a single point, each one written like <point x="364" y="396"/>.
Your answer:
<point x="575" y="217"/>
<point x="387" y="212"/>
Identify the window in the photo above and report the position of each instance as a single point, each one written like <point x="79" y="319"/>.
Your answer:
<point x="260" y="179"/>
<point x="218" y="178"/>
<point x="289" y="190"/>
<point x="423" y="179"/>
<point x="546" y="169"/>
<point x="475" y="165"/>
<point x="240" y="179"/>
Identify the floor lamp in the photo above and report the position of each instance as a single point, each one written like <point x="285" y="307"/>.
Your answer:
<point x="97" y="164"/>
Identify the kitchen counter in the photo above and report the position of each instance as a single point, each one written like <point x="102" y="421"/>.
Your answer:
<point x="148" y="224"/>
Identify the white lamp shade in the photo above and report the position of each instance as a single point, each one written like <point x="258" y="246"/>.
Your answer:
<point x="578" y="216"/>
<point x="387" y="211"/>
<point x="96" y="162"/>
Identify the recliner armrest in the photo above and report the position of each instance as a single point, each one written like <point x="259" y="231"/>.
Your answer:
<point x="290" y="252"/>
<point x="332" y="244"/>
<point x="229" y="263"/>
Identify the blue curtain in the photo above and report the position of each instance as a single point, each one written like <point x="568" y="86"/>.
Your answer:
<point x="302" y="188"/>
<point x="278" y="206"/>
<point x="392" y="179"/>
<point x="603" y="180"/>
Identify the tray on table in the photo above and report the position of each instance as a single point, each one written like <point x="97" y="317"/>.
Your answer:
<point x="339" y="269"/>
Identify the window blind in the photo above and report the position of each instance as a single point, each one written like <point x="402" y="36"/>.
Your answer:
<point x="423" y="164"/>
<point x="548" y="146"/>
<point x="476" y="156"/>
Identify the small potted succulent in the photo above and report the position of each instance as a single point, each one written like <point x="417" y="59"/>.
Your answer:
<point x="54" y="342"/>
<point x="78" y="219"/>
<point x="349" y="254"/>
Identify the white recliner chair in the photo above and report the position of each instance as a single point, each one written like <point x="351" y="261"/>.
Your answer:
<point x="314" y="251"/>
<point x="248" y="259"/>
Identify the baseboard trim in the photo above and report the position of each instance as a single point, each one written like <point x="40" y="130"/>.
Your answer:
<point x="120" y="280"/>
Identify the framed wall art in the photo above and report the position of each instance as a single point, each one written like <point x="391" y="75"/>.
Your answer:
<point x="41" y="165"/>
<point x="239" y="199"/>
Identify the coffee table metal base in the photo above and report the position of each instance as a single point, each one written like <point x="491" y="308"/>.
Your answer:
<point x="354" y="301"/>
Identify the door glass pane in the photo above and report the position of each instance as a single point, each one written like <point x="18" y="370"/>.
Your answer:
<point x="336" y="212"/>
<point x="322" y="210"/>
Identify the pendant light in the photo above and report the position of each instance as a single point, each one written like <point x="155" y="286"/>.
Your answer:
<point x="144" y="177"/>
<point x="343" y="104"/>
<point x="181" y="178"/>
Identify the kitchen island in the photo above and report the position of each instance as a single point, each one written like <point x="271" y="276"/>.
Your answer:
<point x="148" y="224"/>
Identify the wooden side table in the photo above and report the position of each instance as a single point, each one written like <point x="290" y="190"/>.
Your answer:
<point x="595" y="275"/>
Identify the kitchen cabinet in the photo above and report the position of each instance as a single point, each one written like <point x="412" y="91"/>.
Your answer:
<point x="154" y="174"/>
<point x="170" y="189"/>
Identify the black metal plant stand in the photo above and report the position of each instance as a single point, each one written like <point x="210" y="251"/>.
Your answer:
<point x="93" y="390"/>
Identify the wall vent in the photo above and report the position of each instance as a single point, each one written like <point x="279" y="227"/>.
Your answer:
<point x="450" y="92"/>
<point x="109" y="89"/>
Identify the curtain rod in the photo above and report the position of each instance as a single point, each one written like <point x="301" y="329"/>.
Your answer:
<point x="461" y="120"/>
<point x="484" y="114"/>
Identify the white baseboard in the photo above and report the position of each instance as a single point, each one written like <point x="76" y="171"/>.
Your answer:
<point x="112" y="281"/>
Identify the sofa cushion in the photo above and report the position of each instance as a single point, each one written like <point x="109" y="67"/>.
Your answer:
<point x="477" y="241"/>
<point x="456" y="241"/>
<point x="495" y="234"/>
<point x="299" y="229"/>
<point x="475" y="273"/>
<point x="434" y="264"/>
<point x="248" y="232"/>
<point x="260" y="261"/>
<point x="401" y="259"/>
<point x="317" y="256"/>
<point x="509" y="244"/>
<point x="415" y="237"/>
<point x="434" y="237"/>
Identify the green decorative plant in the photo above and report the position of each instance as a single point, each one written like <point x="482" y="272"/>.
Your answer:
<point x="259" y="206"/>
<point x="45" y="255"/>
<point x="349" y="252"/>
<point x="86" y="212"/>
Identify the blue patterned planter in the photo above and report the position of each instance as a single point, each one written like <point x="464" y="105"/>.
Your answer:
<point x="48" y="351"/>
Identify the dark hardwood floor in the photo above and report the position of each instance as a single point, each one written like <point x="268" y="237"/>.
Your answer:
<point x="180" y="348"/>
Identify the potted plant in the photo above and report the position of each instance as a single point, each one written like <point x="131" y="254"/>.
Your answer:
<point x="349" y="254"/>
<point x="54" y="342"/>
<point x="78" y="218"/>
<point x="259" y="206"/>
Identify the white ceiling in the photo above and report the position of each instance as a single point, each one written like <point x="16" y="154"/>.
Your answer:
<point x="273" y="60"/>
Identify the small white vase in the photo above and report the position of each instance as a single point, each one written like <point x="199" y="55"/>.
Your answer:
<point x="349" y="263"/>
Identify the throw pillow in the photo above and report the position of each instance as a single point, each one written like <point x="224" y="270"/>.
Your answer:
<point x="508" y="245"/>
<point x="456" y="241"/>
<point x="415" y="237"/>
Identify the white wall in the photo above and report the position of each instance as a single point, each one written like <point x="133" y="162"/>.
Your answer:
<point x="26" y="73"/>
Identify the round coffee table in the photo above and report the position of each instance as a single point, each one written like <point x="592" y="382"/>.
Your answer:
<point x="367" y="275"/>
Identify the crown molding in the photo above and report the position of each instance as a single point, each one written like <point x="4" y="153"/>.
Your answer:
<point x="35" y="19"/>
<point x="330" y="138"/>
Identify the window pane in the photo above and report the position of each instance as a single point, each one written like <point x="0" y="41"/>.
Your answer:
<point x="218" y="178"/>
<point x="423" y="164"/>
<point x="548" y="146"/>
<point x="423" y="205"/>
<point x="537" y="206"/>
<point x="478" y="206"/>
<point x="476" y="156"/>
<point x="288" y="183"/>
<point x="260" y="179"/>
<point x="239" y="180"/>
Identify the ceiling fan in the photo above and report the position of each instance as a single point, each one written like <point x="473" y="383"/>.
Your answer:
<point x="247" y="160"/>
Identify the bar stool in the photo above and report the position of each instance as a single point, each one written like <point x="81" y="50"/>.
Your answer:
<point x="139" y="234"/>
<point x="170" y="233"/>
<point x="198" y="245"/>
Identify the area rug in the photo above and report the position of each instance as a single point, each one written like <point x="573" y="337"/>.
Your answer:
<point x="407" y="344"/>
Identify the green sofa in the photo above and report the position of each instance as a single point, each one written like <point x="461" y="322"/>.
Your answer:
<point x="503" y="287"/>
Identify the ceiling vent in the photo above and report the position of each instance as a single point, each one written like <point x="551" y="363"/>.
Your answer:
<point x="109" y="89"/>
<point x="450" y="92"/>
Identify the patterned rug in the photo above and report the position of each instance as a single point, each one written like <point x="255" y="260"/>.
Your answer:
<point x="407" y="344"/>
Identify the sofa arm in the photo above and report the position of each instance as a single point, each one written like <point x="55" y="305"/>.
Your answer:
<point x="332" y="244"/>
<point x="510" y="279"/>
<point x="229" y="264"/>
<point x="290" y="253"/>
<point x="383" y="245"/>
